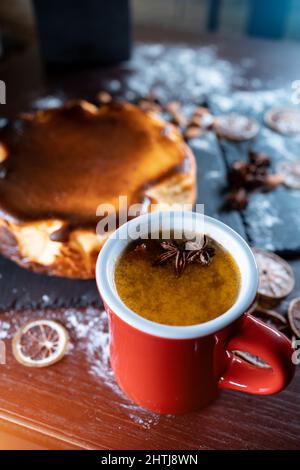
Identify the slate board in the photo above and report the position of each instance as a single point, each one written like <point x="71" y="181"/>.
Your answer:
<point x="212" y="181"/>
<point x="23" y="289"/>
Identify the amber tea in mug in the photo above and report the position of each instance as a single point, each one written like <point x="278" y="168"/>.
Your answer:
<point x="164" y="282"/>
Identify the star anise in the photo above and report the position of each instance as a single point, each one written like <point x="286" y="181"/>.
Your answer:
<point x="184" y="253"/>
<point x="203" y="255"/>
<point x="173" y="250"/>
<point x="237" y="199"/>
<point x="247" y="176"/>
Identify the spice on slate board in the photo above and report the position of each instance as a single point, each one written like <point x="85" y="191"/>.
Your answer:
<point x="238" y="199"/>
<point x="244" y="177"/>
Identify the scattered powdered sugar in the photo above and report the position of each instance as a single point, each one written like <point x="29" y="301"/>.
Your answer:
<point x="180" y="72"/>
<point x="263" y="217"/>
<point x="203" y="142"/>
<point x="89" y="334"/>
<point x="250" y="102"/>
<point x="171" y="71"/>
<point x="46" y="299"/>
<point x="92" y="326"/>
<point x="212" y="174"/>
<point x="286" y="148"/>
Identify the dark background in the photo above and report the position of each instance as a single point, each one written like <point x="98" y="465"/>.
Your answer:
<point x="263" y="18"/>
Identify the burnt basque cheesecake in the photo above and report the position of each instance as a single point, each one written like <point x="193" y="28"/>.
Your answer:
<point x="58" y="165"/>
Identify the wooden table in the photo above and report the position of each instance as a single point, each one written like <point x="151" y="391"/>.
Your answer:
<point x="69" y="405"/>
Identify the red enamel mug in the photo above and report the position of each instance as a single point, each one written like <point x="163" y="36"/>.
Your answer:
<point x="177" y="369"/>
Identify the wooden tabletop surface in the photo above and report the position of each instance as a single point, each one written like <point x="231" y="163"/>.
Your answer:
<point x="75" y="403"/>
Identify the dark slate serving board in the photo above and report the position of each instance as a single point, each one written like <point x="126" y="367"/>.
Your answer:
<point x="212" y="181"/>
<point x="21" y="289"/>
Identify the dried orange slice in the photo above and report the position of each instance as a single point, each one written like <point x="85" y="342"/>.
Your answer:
<point x="290" y="172"/>
<point x="40" y="343"/>
<point x="236" y="127"/>
<point x="294" y="316"/>
<point x="276" y="277"/>
<point x="283" y="120"/>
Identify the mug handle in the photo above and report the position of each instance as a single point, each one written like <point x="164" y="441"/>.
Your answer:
<point x="258" y="338"/>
